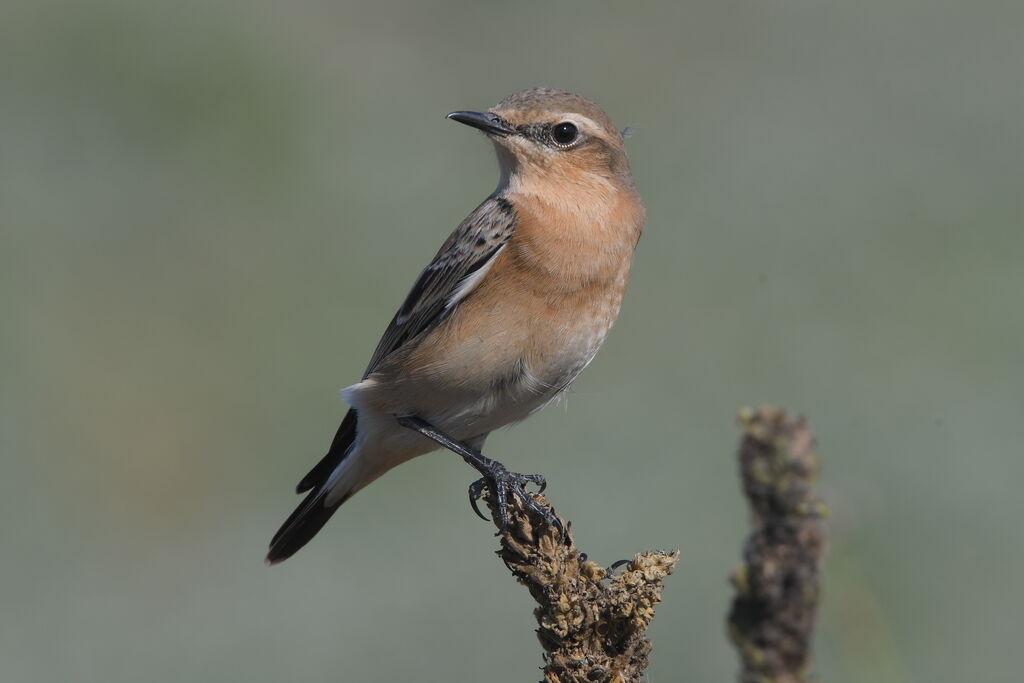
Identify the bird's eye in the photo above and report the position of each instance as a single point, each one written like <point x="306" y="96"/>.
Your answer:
<point x="564" y="133"/>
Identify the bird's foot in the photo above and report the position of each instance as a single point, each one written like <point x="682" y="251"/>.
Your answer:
<point x="497" y="479"/>
<point x="505" y="485"/>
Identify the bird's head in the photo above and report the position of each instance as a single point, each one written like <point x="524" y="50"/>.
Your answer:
<point x="552" y="136"/>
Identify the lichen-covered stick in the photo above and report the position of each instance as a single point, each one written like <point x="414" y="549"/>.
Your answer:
<point x="592" y="620"/>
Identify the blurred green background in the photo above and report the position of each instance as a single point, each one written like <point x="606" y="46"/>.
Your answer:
<point x="210" y="210"/>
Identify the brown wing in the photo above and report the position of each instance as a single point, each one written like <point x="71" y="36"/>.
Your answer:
<point x="469" y="248"/>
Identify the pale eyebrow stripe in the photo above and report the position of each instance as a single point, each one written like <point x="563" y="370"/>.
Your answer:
<point x="580" y="119"/>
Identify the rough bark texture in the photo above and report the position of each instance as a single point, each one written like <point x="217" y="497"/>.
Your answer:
<point x="777" y="585"/>
<point x="592" y="620"/>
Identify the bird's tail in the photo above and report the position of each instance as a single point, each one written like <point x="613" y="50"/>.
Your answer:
<point x="302" y="525"/>
<point x="330" y="483"/>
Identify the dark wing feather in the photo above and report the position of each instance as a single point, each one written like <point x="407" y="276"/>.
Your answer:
<point x="473" y="244"/>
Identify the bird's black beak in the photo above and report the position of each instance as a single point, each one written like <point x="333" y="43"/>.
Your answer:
<point x="484" y="120"/>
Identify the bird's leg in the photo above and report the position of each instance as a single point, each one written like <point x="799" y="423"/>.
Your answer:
<point x="495" y="477"/>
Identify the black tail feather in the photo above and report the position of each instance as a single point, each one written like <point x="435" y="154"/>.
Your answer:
<point x="311" y="515"/>
<point x="302" y="525"/>
<point x="339" y="449"/>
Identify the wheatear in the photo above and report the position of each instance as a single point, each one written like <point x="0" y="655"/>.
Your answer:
<point x="513" y="307"/>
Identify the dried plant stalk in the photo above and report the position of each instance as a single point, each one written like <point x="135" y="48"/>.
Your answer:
<point x="777" y="585"/>
<point x="592" y="620"/>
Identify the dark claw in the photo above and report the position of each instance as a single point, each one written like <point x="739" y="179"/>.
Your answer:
<point x="543" y="512"/>
<point x="537" y="479"/>
<point x="476" y="492"/>
<point x="615" y="566"/>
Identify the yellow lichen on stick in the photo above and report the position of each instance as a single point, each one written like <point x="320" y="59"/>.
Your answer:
<point x="592" y="620"/>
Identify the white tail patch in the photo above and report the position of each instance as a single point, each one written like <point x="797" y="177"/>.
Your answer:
<point x="347" y="478"/>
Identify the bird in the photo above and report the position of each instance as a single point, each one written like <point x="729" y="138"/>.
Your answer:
<point x="512" y="308"/>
